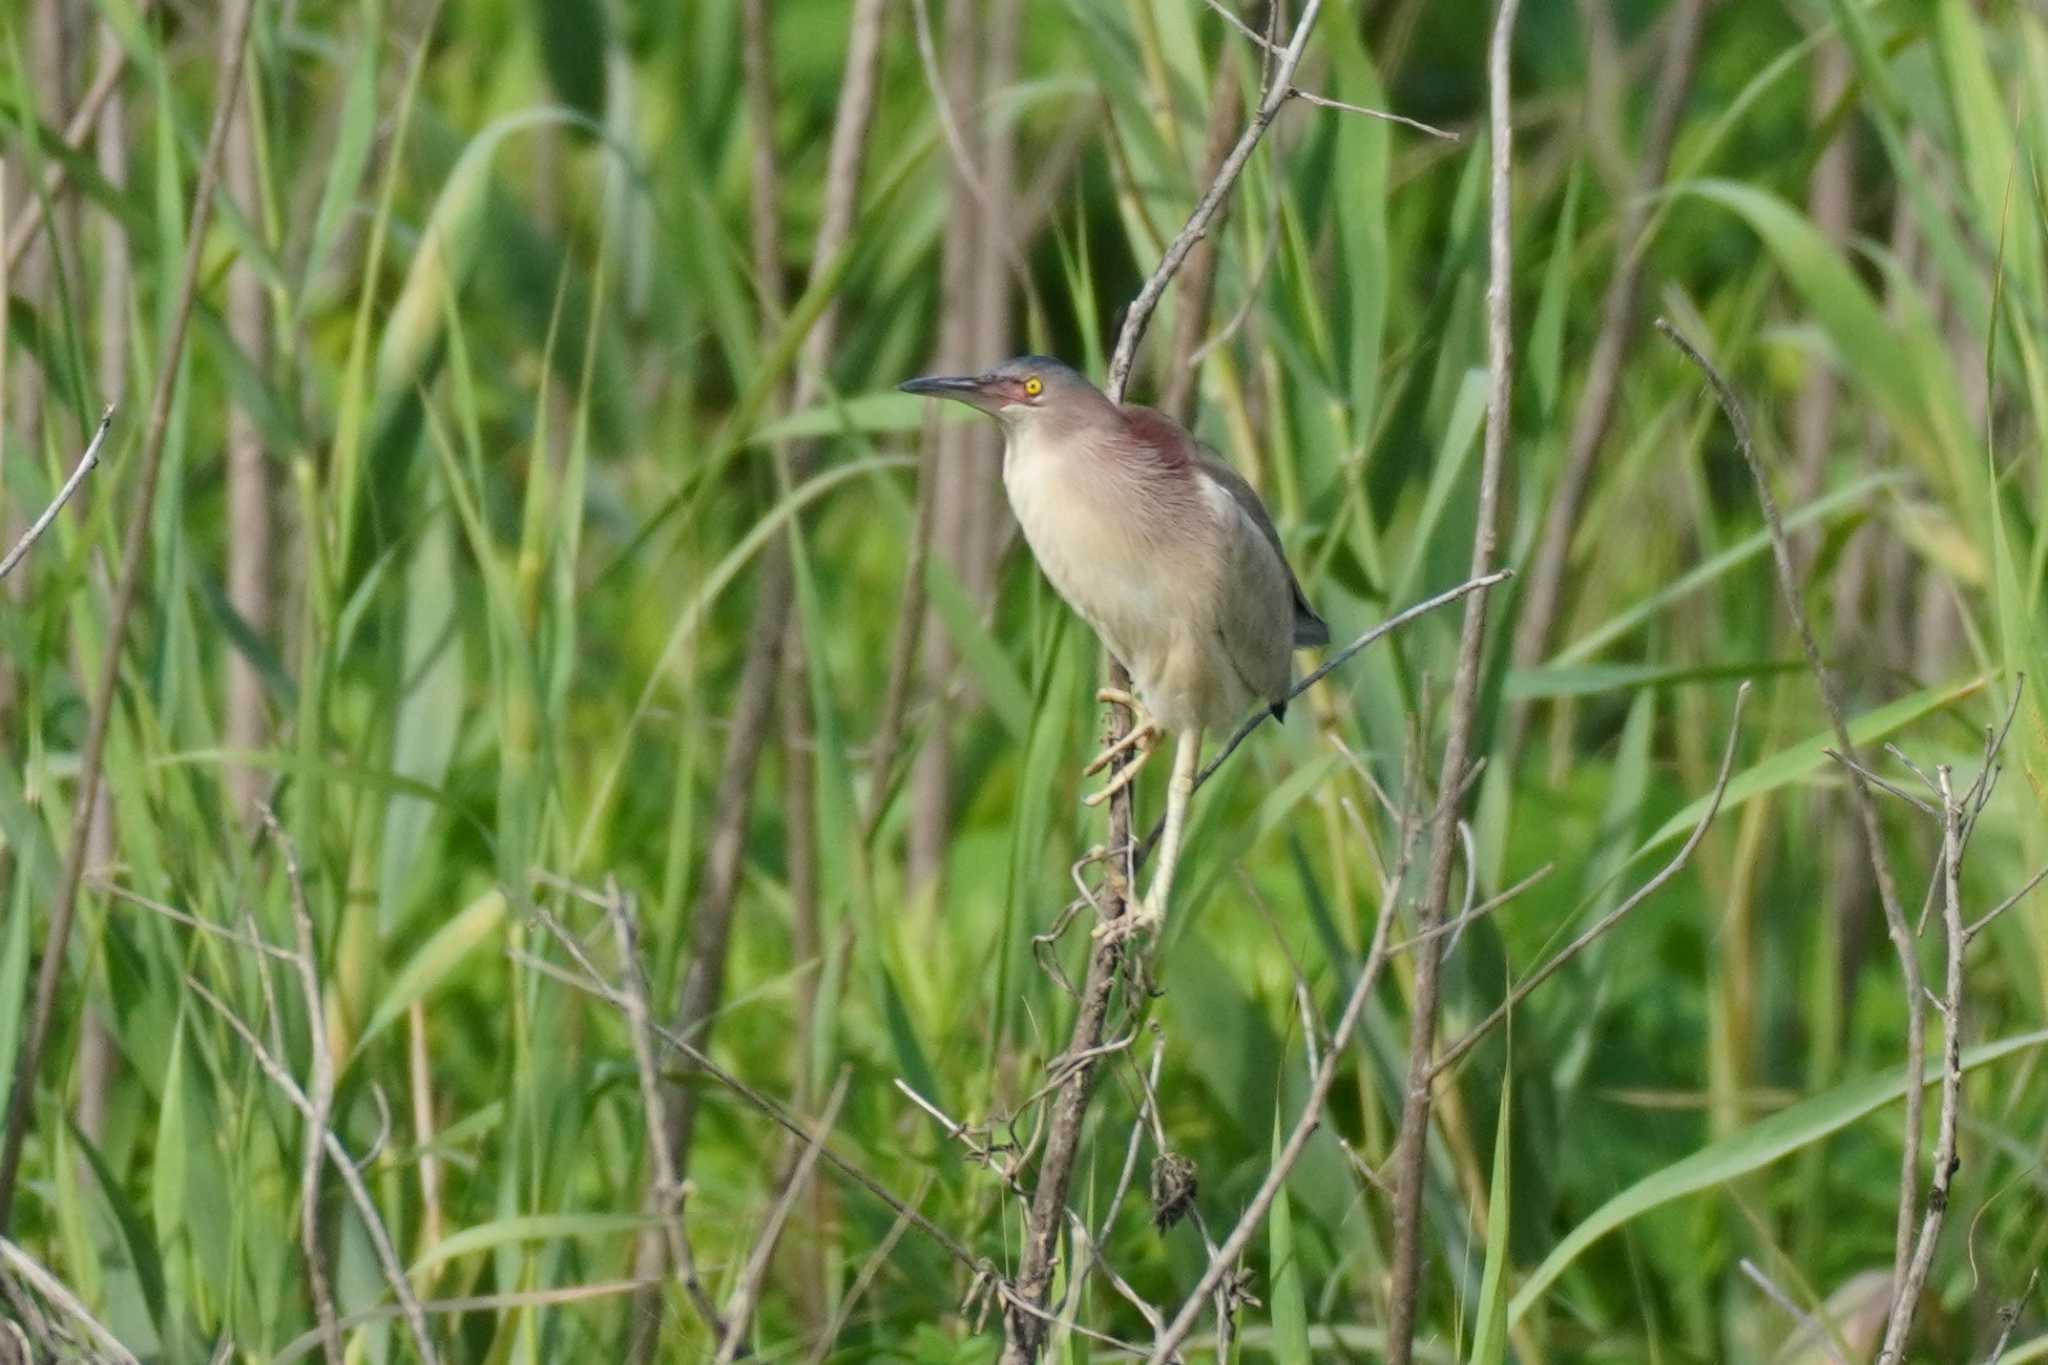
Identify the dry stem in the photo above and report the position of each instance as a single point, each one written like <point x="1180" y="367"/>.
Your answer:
<point x="86" y="464"/>
<point x="1617" y="914"/>
<point x="135" y="546"/>
<point x="1859" y="790"/>
<point x="1412" y="1144"/>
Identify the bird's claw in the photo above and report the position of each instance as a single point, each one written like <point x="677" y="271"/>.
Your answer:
<point x="1124" y="777"/>
<point x="1138" y="919"/>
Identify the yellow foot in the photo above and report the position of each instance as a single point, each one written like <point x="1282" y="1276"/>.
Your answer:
<point x="1127" y="774"/>
<point x="1144" y="735"/>
<point x="1137" y="919"/>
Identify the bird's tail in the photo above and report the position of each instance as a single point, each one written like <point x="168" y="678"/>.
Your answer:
<point x="1309" y="628"/>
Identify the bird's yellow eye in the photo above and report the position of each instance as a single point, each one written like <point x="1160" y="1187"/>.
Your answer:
<point x="1034" y="386"/>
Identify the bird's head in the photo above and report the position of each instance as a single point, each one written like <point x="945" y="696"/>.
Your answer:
<point x="1018" y="393"/>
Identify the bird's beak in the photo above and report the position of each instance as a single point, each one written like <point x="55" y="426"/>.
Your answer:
<point x="975" y="393"/>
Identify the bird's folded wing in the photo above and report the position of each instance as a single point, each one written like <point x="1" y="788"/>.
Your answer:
<point x="1308" y="627"/>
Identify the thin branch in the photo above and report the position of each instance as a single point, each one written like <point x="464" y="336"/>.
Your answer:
<point x="747" y="1295"/>
<point x="1865" y="805"/>
<point x="1479" y="911"/>
<point x="134" y="553"/>
<point x="1142" y="307"/>
<point x="351" y="1175"/>
<point x="1984" y="921"/>
<point x="1412" y="1144"/>
<point x="1274" y="50"/>
<point x="666" y="1190"/>
<point x="86" y="464"/>
<point x="1804" y="1321"/>
<point x="2009" y="1314"/>
<point x="1024" y="1330"/>
<point x="1618" y="913"/>
<point x="1906" y="1301"/>
<point x="1324" y="101"/>
<point x="1477" y="583"/>
<point x="171" y="912"/>
<point x="1247" y="1226"/>
<point x="319" y="1098"/>
<point x="54" y="1289"/>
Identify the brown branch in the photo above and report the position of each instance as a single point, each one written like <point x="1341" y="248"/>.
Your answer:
<point x="592" y="982"/>
<point x="1024" y="1327"/>
<point x="1808" y="1327"/>
<point x="1594" y="417"/>
<point x="1859" y="790"/>
<point x="1411" y="1146"/>
<point x="1142" y="307"/>
<point x="1233" y="1246"/>
<point x="86" y="464"/>
<point x="1477" y="583"/>
<point x="1906" y="1299"/>
<point x="21" y="1264"/>
<point x="133" y="556"/>
<point x="666" y="1190"/>
<point x="2008" y="1315"/>
<point x="1613" y="917"/>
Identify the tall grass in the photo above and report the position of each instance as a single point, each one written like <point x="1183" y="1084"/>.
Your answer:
<point x="518" y="412"/>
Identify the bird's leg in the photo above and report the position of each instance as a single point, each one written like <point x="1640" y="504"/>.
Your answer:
<point x="1150" y="913"/>
<point x="1144" y="734"/>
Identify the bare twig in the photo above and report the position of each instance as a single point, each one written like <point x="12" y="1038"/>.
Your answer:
<point x="747" y="1294"/>
<point x="24" y="1266"/>
<point x="2010" y="1314"/>
<point x="1804" y="1321"/>
<point x="1614" y="916"/>
<point x="593" y="982"/>
<point x="85" y="802"/>
<point x="1141" y="309"/>
<point x="1273" y="50"/>
<point x="1906" y="1298"/>
<point x="1859" y="790"/>
<point x="351" y="1174"/>
<point x="1477" y="583"/>
<point x="1324" y="101"/>
<point x="666" y="1190"/>
<point x="319" y="1096"/>
<point x="1225" y="1256"/>
<point x="86" y="464"/>
<point x="1983" y="921"/>
<point x="1024" y="1329"/>
<point x="1412" y="1142"/>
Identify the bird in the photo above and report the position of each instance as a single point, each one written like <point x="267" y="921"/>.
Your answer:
<point x="1165" y="551"/>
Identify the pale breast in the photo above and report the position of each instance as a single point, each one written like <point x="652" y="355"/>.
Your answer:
<point x="1090" y="536"/>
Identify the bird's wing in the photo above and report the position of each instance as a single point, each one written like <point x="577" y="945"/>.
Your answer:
<point x="1309" y="628"/>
